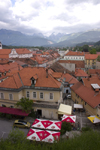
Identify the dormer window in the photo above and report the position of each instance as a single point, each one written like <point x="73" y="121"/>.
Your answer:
<point x="33" y="80"/>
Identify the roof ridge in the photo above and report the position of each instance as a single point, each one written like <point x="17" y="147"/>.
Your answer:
<point x="54" y="79"/>
<point x="20" y="78"/>
<point x="14" y="81"/>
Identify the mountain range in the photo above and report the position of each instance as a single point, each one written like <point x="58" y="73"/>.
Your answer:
<point x="16" y="38"/>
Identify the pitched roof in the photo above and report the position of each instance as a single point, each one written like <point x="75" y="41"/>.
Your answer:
<point x="93" y="80"/>
<point x="70" y="79"/>
<point x="80" y="73"/>
<point x="71" y="53"/>
<point x="94" y="71"/>
<point x="78" y="64"/>
<point x="91" y="56"/>
<point x="23" y="51"/>
<point x="23" y="78"/>
<point x="85" y="93"/>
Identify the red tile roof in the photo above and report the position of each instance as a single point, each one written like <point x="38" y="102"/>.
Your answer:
<point x="88" y="95"/>
<point x="70" y="79"/>
<point x="91" y="56"/>
<point x="78" y="64"/>
<point x="93" y="80"/>
<point x="24" y="76"/>
<point x="80" y="73"/>
<point x="71" y="53"/>
<point x="94" y="71"/>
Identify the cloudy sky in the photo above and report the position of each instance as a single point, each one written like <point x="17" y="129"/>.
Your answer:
<point x="48" y="16"/>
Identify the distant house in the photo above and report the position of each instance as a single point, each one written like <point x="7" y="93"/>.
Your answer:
<point x="74" y="56"/>
<point x="71" y="65"/>
<point x="79" y="74"/>
<point x="90" y="61"/>
<point x="69" y="81"/>
<point x="15" y="53"/>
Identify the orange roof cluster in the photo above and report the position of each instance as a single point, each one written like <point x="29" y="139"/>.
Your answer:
<point x="11" y="66"/>
<point x="70" y="79"/>
<point x="93" y="80"/>
<point x="80" y="73"/>
<point x="94" y="71"/>
<point x="91" y="56"/>
<point x="4" y="53"/>
<point x="71" y="53"/>
<point x="23" y="78"/>
<point x="85" y="93"/>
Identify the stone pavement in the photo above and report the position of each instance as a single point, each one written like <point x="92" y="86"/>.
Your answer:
<point x="81" y="117"/>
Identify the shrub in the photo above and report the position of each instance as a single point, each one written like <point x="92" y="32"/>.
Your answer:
<point x="32" y="114"/>
<point x="87" y="128"/>
<point x="66" y="126"/>
<point x="8" y="116"/>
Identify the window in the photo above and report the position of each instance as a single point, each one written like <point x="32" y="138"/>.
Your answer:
<point x="41" y="95"/>
<point x="27" y="94"/>
<point x="1" y="95"/>
<point x="34" y="94"/>
<point x="85" y="103"/>
<point x="51" y="95"/>
<point x="10" y="96"/>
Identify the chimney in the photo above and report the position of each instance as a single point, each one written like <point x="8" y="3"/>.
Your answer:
<point x="46" y="73"/>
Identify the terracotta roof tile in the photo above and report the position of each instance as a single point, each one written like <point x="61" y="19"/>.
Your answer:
<point x="70" y="79"/>
<point x="93" y="80"/>
<point x="80" y="73"/>
<point x="71" y="53"/>
<point x="24" y="76"/>
<point x="78" y="64"/>
<point x="88" y="95"/>
<point x="91" y="56"/>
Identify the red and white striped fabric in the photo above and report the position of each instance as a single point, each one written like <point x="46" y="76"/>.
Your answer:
<point x="43" y="135"/>
<point x="69" y="118"/>
<point x="47" y="124"/>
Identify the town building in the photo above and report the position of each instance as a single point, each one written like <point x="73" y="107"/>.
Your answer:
<point x="87" y="95"/>
<point x="71" y="55"/>
<point x="15" y="53"/>
<point x="36" y="84"/>
<point x="90" y="61"/>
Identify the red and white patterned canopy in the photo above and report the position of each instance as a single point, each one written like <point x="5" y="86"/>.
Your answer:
<point x="47" y="124"/>
<point x="43" y="135"/>
<point x="69" y="118"/>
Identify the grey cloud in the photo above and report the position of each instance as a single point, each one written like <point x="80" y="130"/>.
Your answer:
<point x="75" y="2"/>
<point x="67" y="18"/>
<point x="76" y="28"/>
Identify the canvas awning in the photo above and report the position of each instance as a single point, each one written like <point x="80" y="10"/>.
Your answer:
<point x="43" y="135"/>
<point x="65" y="109"/>
<point x="13" y="111"/>
<point x="47" y="124"/>
<point x="80" y="106"/>
<point x="69" y="118"/>
<point x="94" y="119"/>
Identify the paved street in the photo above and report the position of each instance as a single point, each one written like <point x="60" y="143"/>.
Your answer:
<point x="81" y="117"/>
<point x="7" y="125"/>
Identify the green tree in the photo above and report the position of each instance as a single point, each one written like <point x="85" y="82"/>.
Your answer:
<point x="98" y="58"/>
<point x="93" y="51"/>
<point x="25" y="104"/>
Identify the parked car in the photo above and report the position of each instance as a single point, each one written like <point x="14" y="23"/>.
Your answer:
<point x="21" y="124"/>
<point x="68" y="96"/>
